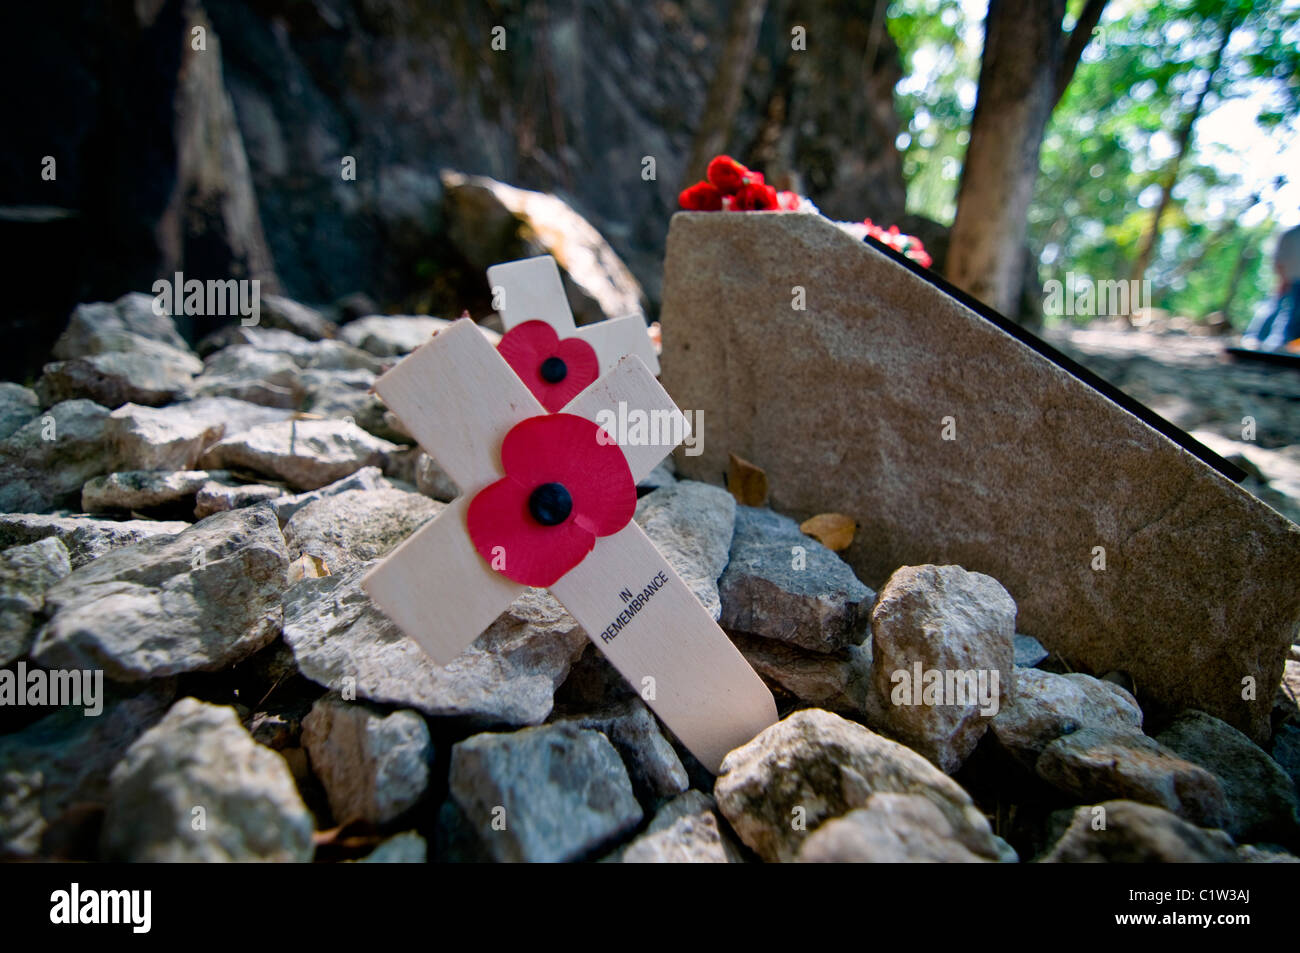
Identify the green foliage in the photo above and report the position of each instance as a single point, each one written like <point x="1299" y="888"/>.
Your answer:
<point x="940" y="51"/>
<point x="1113" y="136"/>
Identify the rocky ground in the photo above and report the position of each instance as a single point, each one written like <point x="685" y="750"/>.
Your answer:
<point x="195" y="523"/>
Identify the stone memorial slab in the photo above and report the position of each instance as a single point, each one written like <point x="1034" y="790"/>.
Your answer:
<point x="952" y="440"/>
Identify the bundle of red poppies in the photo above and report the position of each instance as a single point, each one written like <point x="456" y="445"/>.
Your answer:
<point x="909" y="245"/>
<point x="733" y="188"/>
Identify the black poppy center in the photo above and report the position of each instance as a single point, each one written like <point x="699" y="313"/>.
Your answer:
<point x="554" y="370"/>
<point x="550" y="504"/>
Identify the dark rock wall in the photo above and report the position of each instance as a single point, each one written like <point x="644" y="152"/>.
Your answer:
<point x="227" y="162"/>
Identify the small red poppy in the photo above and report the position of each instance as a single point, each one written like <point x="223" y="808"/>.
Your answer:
<point x="701" y="197"/>
<point x="727" y="175"/>
<point x="754" y="197"/>
<point x="555" y="370"/>
<point x="788" y="201"/>
<point x="567" y="482"/>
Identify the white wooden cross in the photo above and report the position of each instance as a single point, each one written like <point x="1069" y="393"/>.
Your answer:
<point x="459" y="398"/>
<point x="531" y="290"/>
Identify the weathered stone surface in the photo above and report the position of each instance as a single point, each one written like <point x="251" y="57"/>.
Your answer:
<point x="92" y="328"/>
<point x="507" y="676"/>
<point x="483" y="214"/>
<point x="563" y="790"/>
<point x="248" y="373"/>
<point x="651" y="762"/>
<point x="119" y="352"/>
<point x="137" y="370"/>
<point x="306" y="454"/>
<point x="1084" y="736"/>
<point x="889" y="829"/>
<point x="144" y="489"/>
<point x="367" y="478"/>
<point x="807" y="596"/>
<point x="18" y="405"/>
<point x="691" y="524"/>
<point x="1286" y="751"/>
<point x="44" y="462"/>
<point x="1135" y="767"/>
<point x="174" y="437"/>
<point x="373" y="766"/>
<point x="65" y="759"/>
<point x="198" y="601"/>
<point x="684" y="831"/>
<point x="827" y="766"/>
<point x="405" y="848"/>
<point x="662" y="475"/>
<point x="1261" y="797"/>
<point x="344" y="395"/>
<point x="838" y="681"/>
<point x="213" y="497"/>
<point x="200" y="756"/>
<point x="86" y="538"/>
<point x="1138" y="834"/>
<point x="1029" y="651"/>
<point x="328" y="356"/>
<point x="356" y="526"/>
<point x="25" y="573"/>
<point x="1250" y="854"/>
<point x="392" y="335"/>
<point x="1199" y="587"/>
<point x="373" y="416"/>
<point x="285" y="314"/>
<point x="433" y="481"/>
<point x="947" y="620"/>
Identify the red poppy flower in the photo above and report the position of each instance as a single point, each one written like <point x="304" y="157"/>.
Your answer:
<point x="753" y="197"/>
<point x="555" y="371"/>
<point x="727" y="175"/>
<point x="567" y="482"/>
<point x="701" y="197"/>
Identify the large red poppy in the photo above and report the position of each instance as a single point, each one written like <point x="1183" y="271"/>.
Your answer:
<point x="567" y="482"/>
<point x="555" y="370"/>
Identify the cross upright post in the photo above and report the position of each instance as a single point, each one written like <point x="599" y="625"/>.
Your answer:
<point x="531" y="290"/>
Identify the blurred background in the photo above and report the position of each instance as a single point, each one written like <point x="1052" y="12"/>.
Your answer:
<point x="1113" y="140"/>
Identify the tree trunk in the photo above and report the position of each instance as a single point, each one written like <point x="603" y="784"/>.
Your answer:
<point x="1017" y="90"/>
<point x="1244" y="257"/>
<point x="1184" y="139"/>
<point x="726" y="87"/>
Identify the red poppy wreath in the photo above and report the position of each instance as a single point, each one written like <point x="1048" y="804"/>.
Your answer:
<point x="567" y="482"/>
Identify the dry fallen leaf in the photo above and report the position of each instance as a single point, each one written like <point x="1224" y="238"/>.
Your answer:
<point x="307" y="566"/>
<point x="747" y="483"/>
<point x="833" y="530"/>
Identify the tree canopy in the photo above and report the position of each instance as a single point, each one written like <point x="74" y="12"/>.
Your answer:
<point x="1225" y="73"/>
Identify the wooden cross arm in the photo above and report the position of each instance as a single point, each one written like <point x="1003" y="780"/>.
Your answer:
<point x="458" y="398"/>
<point x="437" y="588"/>
<point x="631" y="389"/>
<point x="617" y="337"/>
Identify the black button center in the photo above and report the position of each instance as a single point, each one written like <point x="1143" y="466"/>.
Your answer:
<point x="554" y="370"/>
<point x="550" y="503"/>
